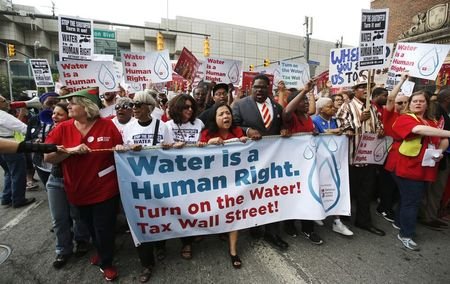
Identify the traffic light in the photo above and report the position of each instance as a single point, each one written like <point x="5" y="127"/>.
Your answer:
<point x="266" y="62"/>
<point x="251" y="67"/>
<point x="206" y="49"/>
<point x="11" y="50"/>
<point x="159" y="41"/>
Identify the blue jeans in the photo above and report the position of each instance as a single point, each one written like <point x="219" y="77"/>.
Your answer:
<point x="63" y="216"/>
<point x="14" y="166"/>
<point x="411" y="193"/>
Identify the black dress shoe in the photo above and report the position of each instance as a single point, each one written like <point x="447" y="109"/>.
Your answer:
<point x="6" y="203"/>
<point x="373" y="230"/>
<point x="25" y="202"/>
<point x="276" y="241"/>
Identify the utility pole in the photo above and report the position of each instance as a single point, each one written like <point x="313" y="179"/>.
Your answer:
<point x="309" y="30"/>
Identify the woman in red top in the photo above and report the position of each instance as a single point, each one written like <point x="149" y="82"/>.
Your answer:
<point x="90" y="178"/>
<point x="219" y="129"/>
<point x="409" y="174"/>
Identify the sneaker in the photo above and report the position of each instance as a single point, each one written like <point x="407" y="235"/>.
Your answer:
<point x="24" y="203"/>
<point x="31" y="185"/>
<point x="95" y="260"/>
<point x="110" y="273"/>
<point x="340" y="228"/>
<point x="60" y="261"/>
<point x="318" y="222"/>
<point x="388" y="216"/>
<point x="313" y="237"/>
<point x="395" y="226"/>
<point x="81" y="248"/>
<point x="408" y="243"/>
<point x="291" y="230"/>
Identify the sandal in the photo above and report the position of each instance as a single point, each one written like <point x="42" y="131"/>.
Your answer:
<point x="236" y="261"/>
<point x="186" y="252"/>
<point x="145" y="275"/>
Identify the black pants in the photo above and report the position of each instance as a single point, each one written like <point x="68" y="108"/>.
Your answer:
<point x="362" y="181"/>
<point x="100" y="219"/>
<point x="145" y="252"/>
<point x="307" y="225"/>
<point x="388" y="192"/>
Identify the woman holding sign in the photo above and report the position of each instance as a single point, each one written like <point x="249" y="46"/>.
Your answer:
<point x="146" y="131"/>
<point x="220" y="129"/>
<point x="416" y="137"/>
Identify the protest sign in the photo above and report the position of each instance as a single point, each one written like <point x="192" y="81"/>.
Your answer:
<point x="187" y="65"/>
<point x="200" y="75"/>
<point x="420" y="60"/>
<point x="294" y="74"/>
<point x="374" y="25"/>
<point x="41" y="72"/>
<point x="223" y="70"/>
<point x="140" y="67"/>
<point x="196" y="191"/>
<point x="372" y="150"/>
<point x="247" y="78"/>
<point x="78" y="75"/>
<point x="76" y="38"/>
<point x="178" y="83"/>
<point x="407" y="88"/>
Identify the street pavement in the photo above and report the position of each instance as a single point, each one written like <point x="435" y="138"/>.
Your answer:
<point x="363" y="258"/>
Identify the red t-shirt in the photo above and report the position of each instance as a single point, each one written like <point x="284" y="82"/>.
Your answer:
<point x="89" y="178"/>
<point x="389" y="117"/>
<point x="235" y="132"/>
<point x="305" y="125"/>
<point x="411" y="167"/>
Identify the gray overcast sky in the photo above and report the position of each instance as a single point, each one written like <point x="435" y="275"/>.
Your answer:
<point x="332" y="18"/>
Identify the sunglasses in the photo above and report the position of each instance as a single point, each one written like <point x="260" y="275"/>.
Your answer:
<point x="124" y="106"/>
<point x="401" y="103"/>
<point x="138" y="104"/>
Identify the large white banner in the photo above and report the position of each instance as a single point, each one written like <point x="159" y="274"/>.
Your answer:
<point x="221" y="70"/>
<point x="78" y="75"/>
<point x="374" y="27"/>
<point x="41" y="72"/>
<point x="140" y="67"/>
<point x="195" y="191"/>
<point x="76" y="38"/>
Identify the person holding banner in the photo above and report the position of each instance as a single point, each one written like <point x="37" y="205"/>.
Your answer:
<point x="358" y="116"/>
<point x="219" y="129"/>
<point x="259" y="115"/>
<point x="142" y="132"/>
<point x="418" y="134"/>
<point x="90" y="178"/>
<point x="220" y="95"/>
<point x="124" y="113"/>
<point x="296" y="120"/>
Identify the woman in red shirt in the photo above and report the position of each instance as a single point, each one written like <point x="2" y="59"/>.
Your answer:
<point x="409" y="174"/>
<point x="219" y="129"/>
<point x="90" y="178"/>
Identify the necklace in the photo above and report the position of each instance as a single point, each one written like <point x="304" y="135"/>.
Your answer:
<point x="325" y="122"/>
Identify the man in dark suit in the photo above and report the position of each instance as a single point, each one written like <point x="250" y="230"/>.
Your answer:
<point x="259" y="115"/>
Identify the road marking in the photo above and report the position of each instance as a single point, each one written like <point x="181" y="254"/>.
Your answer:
<point x="20" y="216"/>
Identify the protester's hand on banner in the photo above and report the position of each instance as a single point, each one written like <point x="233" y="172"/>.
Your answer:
<point x="253" y="134"/>
<point x="243" y="139"/>
<point x="202" y="144"/>
<point x="80" y="149"/>
<point x="125" y="148"/>
<point x="179" y="145"/>
<point x="215" y="141"/>
<point x="166" y="146"/>
<point x="285" y="133"/>
<point x="62" y="149"/>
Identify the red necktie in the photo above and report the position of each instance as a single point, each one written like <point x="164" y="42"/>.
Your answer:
<point x="266" y="115"/>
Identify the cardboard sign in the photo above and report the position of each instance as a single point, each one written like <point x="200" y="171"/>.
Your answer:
<point x="372" y="150"/>
<point x="78" y="75"/>
<point x="76" y="38"/>
<point x="247" y="78"/>
<point x="187" y="65"/>
<point x="188" y="192"/>
<point x="41" y="72"/>
<point x="140" y="67"/>
<point x="294" y="74"/>
<point x="223" y="70"/>
<point x="374" y="26"/>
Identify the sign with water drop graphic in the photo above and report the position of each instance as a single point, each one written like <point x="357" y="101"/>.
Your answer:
<point x="421" y="60"/>
<point x="221" y="70"/>
<point x="78" y="75"/>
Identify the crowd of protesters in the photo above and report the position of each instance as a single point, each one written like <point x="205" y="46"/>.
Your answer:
<point x="84" y="203"/>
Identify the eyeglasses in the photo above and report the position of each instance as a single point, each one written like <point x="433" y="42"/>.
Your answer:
<point x="124" y="106"/>
<point x="138" y="104"/>
<point x="401" y="103"/>
<point x="188" y="107"/>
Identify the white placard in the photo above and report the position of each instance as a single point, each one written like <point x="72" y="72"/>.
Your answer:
<point x="76" y="38"/>
<point x="41" y="72"/>
<point x="407" y="88"/>
<point x="374" y="27"/>
<point x="221" y="70"/>
<point x="294" y="74"/>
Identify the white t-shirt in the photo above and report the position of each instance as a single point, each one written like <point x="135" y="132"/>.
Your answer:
<point x="121" y="126"/>
<point x="186" y="132"/>
<point x="134" y="133"/>
<point x="108" y="111"/>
